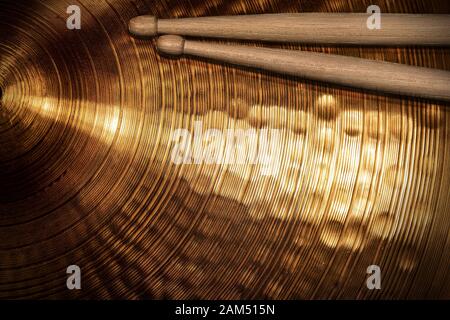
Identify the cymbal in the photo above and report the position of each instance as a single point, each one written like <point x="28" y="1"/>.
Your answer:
<point x="87" y="119"/>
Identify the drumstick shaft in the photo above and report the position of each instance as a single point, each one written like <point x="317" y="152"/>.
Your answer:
<point x="322" y="28"/>
<point x="348" y="71"/>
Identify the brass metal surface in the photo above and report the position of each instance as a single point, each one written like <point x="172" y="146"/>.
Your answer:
<point x="86" y="118"/>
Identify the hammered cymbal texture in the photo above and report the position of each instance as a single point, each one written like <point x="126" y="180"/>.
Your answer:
<point x="86" y="176"/>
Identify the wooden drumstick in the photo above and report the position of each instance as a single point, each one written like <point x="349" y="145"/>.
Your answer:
<point x="322" y="28"/>
<point x="348" y="71"/>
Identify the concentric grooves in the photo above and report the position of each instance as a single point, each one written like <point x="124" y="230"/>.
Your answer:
<point x="86" y="175"/>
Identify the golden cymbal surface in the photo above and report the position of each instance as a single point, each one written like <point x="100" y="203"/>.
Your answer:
<point x="87" y="178"/>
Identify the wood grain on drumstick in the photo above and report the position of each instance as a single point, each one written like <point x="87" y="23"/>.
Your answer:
<point x="348" y="71"/>
<point x="323" y="28"/>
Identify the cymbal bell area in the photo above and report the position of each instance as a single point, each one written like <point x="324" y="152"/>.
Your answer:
<point x="86" y="118"/>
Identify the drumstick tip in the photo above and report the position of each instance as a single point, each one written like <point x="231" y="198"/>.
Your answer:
<point x="170" y="44"/>
<point x="143" y="26"/>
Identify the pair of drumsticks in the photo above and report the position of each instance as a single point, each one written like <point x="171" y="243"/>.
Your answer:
<point x="313" y="28"/>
